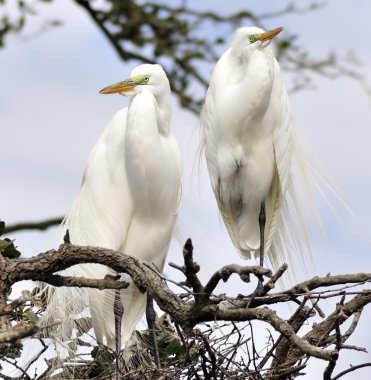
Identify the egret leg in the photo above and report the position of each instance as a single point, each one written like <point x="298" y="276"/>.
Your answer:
<point x="262" y="220"/>
<point x="118" y="309"/>
<point x="151" y="316"/>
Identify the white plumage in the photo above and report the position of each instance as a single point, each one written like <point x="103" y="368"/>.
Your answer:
<point x="128" y="201"/>
<point x="252" y="147"/>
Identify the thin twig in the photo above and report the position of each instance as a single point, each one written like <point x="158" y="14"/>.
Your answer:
<point x="42" y="226"/>
<point x="351" y="369"/>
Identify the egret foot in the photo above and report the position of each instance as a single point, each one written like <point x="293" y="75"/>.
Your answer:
<point x="256" y="293"/>
<point x="151" y="316"/>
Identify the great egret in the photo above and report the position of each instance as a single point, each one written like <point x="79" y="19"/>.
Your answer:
<point x="128" y="201"/>
<point x="251" y="146"/>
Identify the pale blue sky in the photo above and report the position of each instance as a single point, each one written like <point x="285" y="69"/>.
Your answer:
<point x="51" y="114"/>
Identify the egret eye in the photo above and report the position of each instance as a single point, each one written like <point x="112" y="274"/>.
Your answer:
<point x="146" y="78"/>
<point x="253" y="38"/>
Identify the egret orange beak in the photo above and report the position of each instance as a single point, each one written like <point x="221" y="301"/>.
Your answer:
<point x="120" y="87"/>
<point x="269" y="35"/>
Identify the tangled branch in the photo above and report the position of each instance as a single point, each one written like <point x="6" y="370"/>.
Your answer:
<point x="203" y="306"/>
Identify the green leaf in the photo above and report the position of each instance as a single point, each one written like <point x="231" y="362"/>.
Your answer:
<point x="8" y="249"/>
<point x="4" y="244"/>
<point x="31" y="316"/>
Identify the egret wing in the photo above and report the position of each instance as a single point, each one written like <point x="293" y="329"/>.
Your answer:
<point x="98" y="217"/>
<point x="101" y="212"/>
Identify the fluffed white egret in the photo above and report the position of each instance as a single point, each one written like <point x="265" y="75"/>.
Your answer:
<point x="128" y="201"/>
<point x="251" y="146"/>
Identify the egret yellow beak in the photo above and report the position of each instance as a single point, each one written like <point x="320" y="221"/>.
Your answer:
<point x="269" y="35"/>
<point x="120" y="87"/>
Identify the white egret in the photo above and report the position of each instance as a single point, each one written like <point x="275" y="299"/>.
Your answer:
<point x="251" y="146"/>
<point x="128" y="201"/>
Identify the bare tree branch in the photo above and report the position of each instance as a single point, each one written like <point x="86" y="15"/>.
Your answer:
<point x="58" y="280"/>
<point x="43" y="225"/>
<point x="351" y="369"/>
<point x="9" y="308"/>
<point x="243" y="272"/>
<point x="18" y="332"/>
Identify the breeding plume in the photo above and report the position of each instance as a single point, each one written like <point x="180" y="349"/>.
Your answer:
<point x="128" y="201"/>
<point x="252" y="149"/>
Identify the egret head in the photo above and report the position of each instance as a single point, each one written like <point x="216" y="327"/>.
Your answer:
<point x="143" y="77"/>
<point x="253" y="38"/>
<point x="262" y="36"/>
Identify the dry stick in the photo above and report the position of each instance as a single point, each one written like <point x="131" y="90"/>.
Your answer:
<point x="351" y="347"/>
<point x="316" y="305"/>
<point x="184" y="342"/>
<point x="270" y="284"/>
<point x="292" y="370"/>
<point x="254" y="352"/>
<point x="9" y="308"/>
<point x="25" y="376"/>
<point x="166" y="279"/>
<point x="81" y="282"/>
<point x="242" y="271"/>
<point x="332" y="338"/>
<point x="254" y="300"/>
<point x="18" y="332"/>
<point x="203" y="363"/>
<point x="318" y="282"/>
<point x="322" y="329"/>
<point x="300" y="316"/>
<point x="279" y="325"/>
<point x="210" y="352"/>
<point x="191" y="269"/>
<point x="236" y="346"/>
<point x="351" y="369"/>
<point x="37" y="357"/>
<point x="329" y="369"/>
<point x="43" y="225"/>
<point x="353" y="325"/>
<point x="332" y="363"/>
